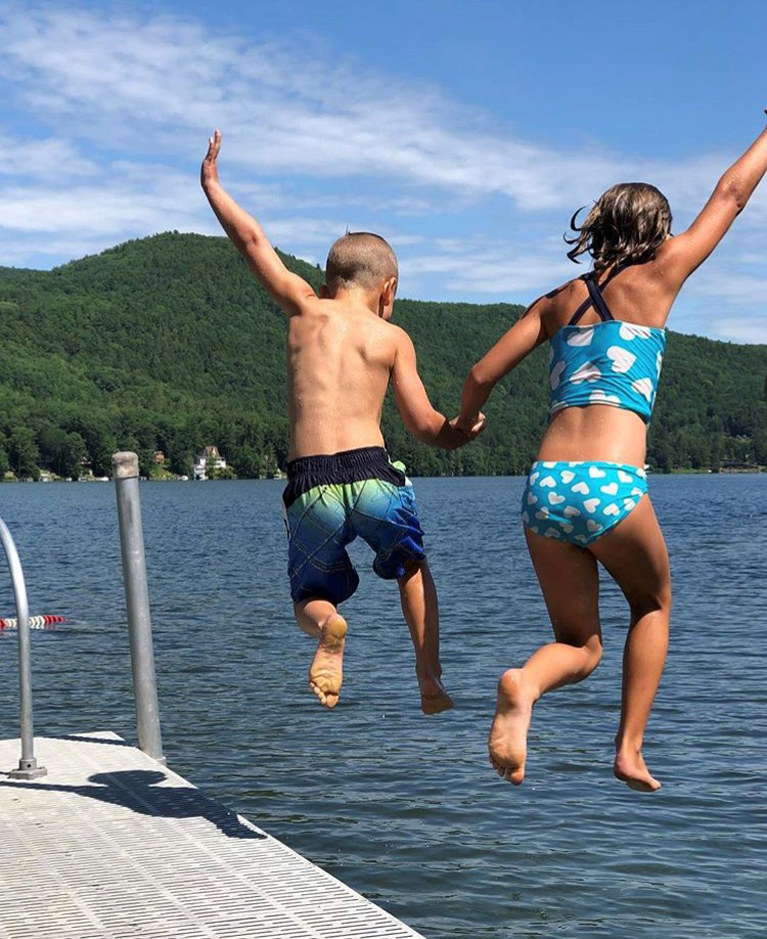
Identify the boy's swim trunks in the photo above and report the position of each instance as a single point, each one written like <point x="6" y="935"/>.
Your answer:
<point x="580" y="501"/>
<point x="329" y="501"/>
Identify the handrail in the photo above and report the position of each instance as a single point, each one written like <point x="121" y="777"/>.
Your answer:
<point x="28" y="768"/>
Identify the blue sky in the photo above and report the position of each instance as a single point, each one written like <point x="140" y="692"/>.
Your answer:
<point x="464" y="131"/>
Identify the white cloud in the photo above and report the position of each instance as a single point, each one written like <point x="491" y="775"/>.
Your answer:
<point x="29" y="252"/>
<point x="164" y="201"/>
<point x="158" y="82"/>
<point x="489" y="268"/>
<point x="317" y="232"/>
<point x="742" y="329"/>
<point x="49" y="159"/>
<point x="126" y="101"/>
<point x="731" y="287"/>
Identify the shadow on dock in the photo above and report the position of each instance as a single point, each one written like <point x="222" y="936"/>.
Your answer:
<point x="95" y="738"/>
<point x="138" y="791"/>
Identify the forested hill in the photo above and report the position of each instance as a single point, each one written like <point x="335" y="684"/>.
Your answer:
<point x="168" y="343"/>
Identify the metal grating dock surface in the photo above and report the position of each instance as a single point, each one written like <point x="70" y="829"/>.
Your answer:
<point x="112" y="844"/>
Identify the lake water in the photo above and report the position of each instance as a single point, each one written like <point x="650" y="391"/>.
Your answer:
<point x="405" y="808"/>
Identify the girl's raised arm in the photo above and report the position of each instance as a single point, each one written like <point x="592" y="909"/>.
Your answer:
<point x="689" y="250"/>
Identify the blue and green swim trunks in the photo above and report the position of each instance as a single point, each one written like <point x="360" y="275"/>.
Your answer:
<point x="332" y="499"/>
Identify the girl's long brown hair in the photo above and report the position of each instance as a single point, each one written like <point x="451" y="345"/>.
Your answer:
<point x="626" y="225"/>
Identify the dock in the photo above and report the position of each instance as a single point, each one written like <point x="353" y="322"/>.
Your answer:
<point x="111" y="843"/>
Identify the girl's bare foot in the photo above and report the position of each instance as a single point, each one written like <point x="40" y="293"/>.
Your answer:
<point x="326" y="672"/>
<point x="434" y="697"/>
<point x="630" y="768"/>
<point x="508" y="733"/>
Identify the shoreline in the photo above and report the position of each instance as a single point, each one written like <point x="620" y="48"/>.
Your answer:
<point x="755" y="471"/>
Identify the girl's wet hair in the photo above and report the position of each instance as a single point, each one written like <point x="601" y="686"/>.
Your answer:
<point x="626" y="225"/>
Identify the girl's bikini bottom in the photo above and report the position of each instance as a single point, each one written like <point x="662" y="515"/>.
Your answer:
<point x="580" y="501"/>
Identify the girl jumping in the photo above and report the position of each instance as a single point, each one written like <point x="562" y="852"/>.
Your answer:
<point x="586" y="496"/>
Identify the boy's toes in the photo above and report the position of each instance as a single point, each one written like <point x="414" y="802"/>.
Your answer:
<point x="328" y="699"/>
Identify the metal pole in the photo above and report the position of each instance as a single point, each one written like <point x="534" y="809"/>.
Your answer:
<point x="137" y="601"/>
<point x="28" y="768"/>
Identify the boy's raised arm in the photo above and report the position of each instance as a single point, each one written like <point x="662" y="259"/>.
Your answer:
<point x="422" y="420"/>
<point x="288" y="289"/>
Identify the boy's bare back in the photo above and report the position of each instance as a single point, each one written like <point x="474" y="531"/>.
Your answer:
<point x="340" y="359"/>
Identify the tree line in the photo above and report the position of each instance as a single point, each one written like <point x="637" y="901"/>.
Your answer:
<point x="169" y="344"/>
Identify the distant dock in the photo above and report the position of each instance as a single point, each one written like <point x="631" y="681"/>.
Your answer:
<point x="111" y="844"/>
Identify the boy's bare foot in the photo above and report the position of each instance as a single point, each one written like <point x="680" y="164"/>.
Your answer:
<point x="326" y="672"/>
<point x="508" y="733"/>
<point x="630" y="768"/>
<point x="434" y="697"/>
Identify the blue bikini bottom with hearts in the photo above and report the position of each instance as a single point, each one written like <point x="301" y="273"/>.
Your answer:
<point x="580" y="501"/>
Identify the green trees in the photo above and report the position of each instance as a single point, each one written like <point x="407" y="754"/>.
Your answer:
<point x="61" y="452"/>
<point x="23" y="453"/>
<point x="168" y="343"/>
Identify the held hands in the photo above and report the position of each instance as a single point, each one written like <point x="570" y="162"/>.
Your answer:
<point x="467" y="429"/>
<point x="209" y="169"/>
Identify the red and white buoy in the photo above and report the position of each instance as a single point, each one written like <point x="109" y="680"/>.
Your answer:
<point x="35" y="622"/>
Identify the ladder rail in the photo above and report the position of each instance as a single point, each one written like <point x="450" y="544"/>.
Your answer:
<point x="28" y="768"/>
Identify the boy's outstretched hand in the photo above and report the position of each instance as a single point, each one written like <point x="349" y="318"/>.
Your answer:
<point x="469" y="430"/>
<point x="209" y="169"/>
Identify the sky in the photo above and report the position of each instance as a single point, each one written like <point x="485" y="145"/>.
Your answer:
<point x="466" y="132"/>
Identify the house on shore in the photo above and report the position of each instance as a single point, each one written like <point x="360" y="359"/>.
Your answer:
<point x="207" y="461"/>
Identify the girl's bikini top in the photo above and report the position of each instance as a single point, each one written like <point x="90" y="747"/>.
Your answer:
<point x="610" y="362"/>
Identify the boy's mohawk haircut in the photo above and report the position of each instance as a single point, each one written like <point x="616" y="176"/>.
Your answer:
<point x="362" y="259"/>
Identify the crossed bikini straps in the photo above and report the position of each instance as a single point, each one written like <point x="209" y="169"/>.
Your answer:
<point x="595" y="297"/>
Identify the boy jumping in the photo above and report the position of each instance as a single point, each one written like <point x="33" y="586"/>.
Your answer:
<point x="342" y="352"/>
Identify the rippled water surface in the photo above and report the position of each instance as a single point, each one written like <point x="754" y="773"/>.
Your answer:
<point x="402" y="807"/>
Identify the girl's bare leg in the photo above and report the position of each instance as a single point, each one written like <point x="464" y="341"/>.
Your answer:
<point x="570" y="583"/>
<point x="634" y="553"/>
<point x="420" y="607"/>
<point x="322" y="621"/>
